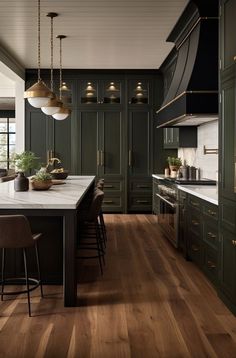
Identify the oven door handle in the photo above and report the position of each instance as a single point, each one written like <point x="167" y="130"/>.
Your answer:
<point x="167" y="201"/>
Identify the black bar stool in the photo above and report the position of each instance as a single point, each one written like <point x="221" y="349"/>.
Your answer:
<point x="15" y="233"/>
<point x="100" y="185"/>
<point x="90" y="236"/>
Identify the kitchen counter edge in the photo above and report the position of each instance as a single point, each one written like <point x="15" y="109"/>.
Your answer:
<point x="205" y="192"/>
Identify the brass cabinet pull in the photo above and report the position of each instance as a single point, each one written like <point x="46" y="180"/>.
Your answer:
<point x="234" y="242"/>
<point x="98" y="158"/>
<point x="108" y="201"/>
<point x="210" y="264"/>
<point x="102" y="158"/>
<point x="130" y="158"/>
<point x="195" y="223"/>
<point x="194" y="204"/>
<point x="195" y="248"/>
<point x="212" y="236"/>
<point x="234" y="58"/>
<point x="211" y="212"/>
<point x="142" y="201"/>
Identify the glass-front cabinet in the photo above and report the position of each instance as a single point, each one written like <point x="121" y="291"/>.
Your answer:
<point x="100" y="92"/>
<point x="89" y="92"/>
<point x="138" y="92"/>
<point x="112" y="92"/>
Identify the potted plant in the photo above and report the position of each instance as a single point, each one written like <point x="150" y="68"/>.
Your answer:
<point x="174" y="163"/>
<point x="24" y="162"/>
<point x="41" y="180"/>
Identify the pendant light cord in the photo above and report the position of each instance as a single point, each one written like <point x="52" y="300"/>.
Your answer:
<point x="39" y="59"/>
<point x="60" y="69"/>
<point x="52" y="53"/>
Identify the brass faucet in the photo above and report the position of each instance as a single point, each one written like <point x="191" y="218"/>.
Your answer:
<point x="51" y="161"/>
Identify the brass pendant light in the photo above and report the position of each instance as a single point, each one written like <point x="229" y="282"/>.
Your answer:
<point x="63" y="112"/>
<point x="38" y="94"/>
<point x="53" y="106"/>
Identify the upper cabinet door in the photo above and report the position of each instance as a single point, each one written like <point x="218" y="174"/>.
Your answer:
<point x="88" y="139"/>
<point x="228" y="143"/>
<point x="139" y="92"/>
<point x="111" y="147"/>
<point x="89" y="92"/>
<point x="228" y="31"/>
<point x="139" y="156"/>
<point x="111" y="92"/>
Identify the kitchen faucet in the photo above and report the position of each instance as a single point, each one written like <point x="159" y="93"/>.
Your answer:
<point x="51" y="161"/>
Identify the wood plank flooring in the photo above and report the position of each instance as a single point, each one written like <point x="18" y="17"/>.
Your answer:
<point x="149" y="303"/>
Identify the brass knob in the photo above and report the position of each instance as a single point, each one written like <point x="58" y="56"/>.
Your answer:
<point x="234" y="58"/>
<point x="210" y="264"/>
<point x="234" y="242"/>
<point x="195" y="223"/>
<point x="211" y="212"/>
<point x="195" y="248"/>
<point x="212" y="236"/>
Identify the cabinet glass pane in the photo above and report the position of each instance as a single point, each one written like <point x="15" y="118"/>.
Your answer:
<point x="111" y="92"/>
<point x="138" y="92"/>
<point x="89" y="93"/>
<point x="66" y="94"/>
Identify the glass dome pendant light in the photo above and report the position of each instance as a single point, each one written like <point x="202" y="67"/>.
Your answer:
<point x="53" y="105"/>
<point x="38" y="94"/>
<point x="63" y="112"/>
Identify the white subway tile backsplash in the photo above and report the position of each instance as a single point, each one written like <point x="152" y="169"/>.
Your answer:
<point x="208" y="163"/>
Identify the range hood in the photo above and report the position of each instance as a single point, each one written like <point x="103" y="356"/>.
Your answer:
<point x="192" y="97"/>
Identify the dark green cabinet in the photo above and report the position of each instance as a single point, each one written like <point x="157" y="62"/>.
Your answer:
<point x="97" y="91"/>
<point x="182" y="137"/>
<point x="227" y="145"/>
<point x="140" y="160"/>
<point x="101" y="151"/>
<point x="228" y="128"/>
<point x="227" y="33"/>
<point x="109" y="133"/>
<point x="202" y="236"/>
<point x="228" y="262"/>
<point x="46" y="137"/>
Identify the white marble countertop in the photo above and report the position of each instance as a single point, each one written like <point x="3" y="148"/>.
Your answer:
<point x="64" y="196"/>
<point x="205" y="192"/>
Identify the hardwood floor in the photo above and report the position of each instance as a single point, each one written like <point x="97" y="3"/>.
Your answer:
<point x="149" y="303"/>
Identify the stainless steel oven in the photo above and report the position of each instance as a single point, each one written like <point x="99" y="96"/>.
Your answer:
<point x="168" y="210"/>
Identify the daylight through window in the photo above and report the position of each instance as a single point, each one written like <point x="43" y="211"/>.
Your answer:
<point x="7" y="142"/>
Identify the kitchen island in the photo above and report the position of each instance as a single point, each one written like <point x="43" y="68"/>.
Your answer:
<point x="54" y="213"/>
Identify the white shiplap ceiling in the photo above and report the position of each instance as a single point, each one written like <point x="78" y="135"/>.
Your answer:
<point x="102" y="34"/>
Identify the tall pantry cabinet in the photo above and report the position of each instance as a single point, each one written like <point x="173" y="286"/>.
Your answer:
<point x="109" y="133"/>
<point x="227" y="163"/>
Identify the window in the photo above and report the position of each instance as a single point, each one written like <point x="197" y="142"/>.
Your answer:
<point x="7" y="142"/>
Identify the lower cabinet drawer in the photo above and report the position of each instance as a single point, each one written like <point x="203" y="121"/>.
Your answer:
<point x="210" y="210"/>
<point x="194" y="221"/>
<point x="141" y="186"/>
<point x="194" y="202"/>
<point x="211" y="234"/>
<point x="211" y="263"/>
<point x="195" y="249"/>
<point x="140" y="203"/>
<point x="112" y="186"/>
<point x="112" y="204"/>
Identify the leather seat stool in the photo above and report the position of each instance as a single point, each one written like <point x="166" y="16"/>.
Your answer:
<point x="15" y="233"/>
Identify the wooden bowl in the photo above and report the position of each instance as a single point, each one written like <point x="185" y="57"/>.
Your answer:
<point x="41" y="185"/>
<point x="60" y="175"/>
